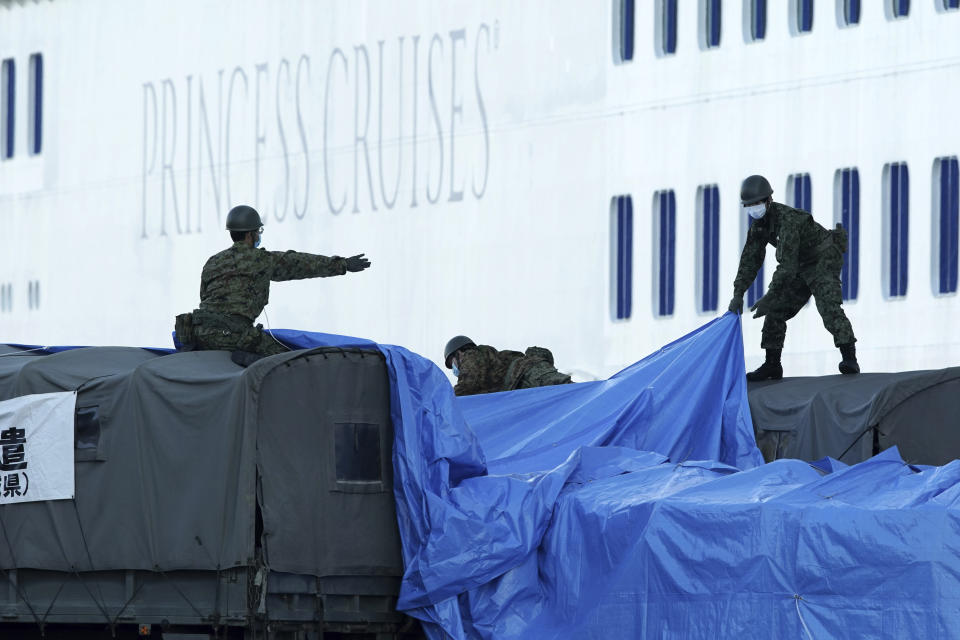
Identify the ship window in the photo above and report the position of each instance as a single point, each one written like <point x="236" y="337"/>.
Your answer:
<point x="711" y="21"/>
<point x="799" y="191"/>
<point x="666" y="21"/>
<point x="6" y="296"/>
<point x="622" y="254"/>
<point x="36" y="104"/>
<point x="756" y="13"/>
<point x="896" y="225"/>
<point x="7" y="101"/>
<point x="945" y="211"/>
<point x="708" y="247"/>
<point x="899" y="8"/>
<point x="33" y="294"/>
<point x="623" y="26"/>
<point x="664" y="247"/>
<point x="851" y="12"/>
<point x="846" y="211"/>
<point x="949" y="5"/>
<point x="802" y="16"/>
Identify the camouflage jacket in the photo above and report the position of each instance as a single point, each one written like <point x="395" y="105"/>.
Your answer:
<point x="236" y="281"/>
<point x="797" y="237"/>
<point x="482" y="370"/>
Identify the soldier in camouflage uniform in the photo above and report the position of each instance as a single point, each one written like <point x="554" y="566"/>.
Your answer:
<point x="810" y="258"/>
<point x="483" y="369"/>
<point x="235" y="286"/>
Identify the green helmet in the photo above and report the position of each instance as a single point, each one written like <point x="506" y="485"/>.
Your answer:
<point x="243" y="218"/>
<point x="754" y="189"/>
<point x="453" y="345"/>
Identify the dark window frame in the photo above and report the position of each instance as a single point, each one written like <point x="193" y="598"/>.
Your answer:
<point x="804" y="16"/>
<point x="665" y="245"/>
<point x="338" y="485"/>
<point x="847" y="213"/>
<point x="666" y="26"/>
<point x="35" y="143"/>
<point x="897" y="226"/>
<point x="899" y="9"/>
<point x="851" y="12"/>
<point x="626" y="26"/>
<point x="947" y="217"/>
<point x="708" y="250"/>
<point x="758" y="20"/>
<point x="713" y="24"/>
<point x="8" y="110"/>
<point x="622" y="257"/>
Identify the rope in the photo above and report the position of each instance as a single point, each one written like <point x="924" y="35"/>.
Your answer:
<point x="855" y="440"/>
<point x="20" y="353"/>
<point x="796" y="601"/>
<point x="177" y="588"/>
<point x="83" y="538"/>
<point x="127" y="603"/>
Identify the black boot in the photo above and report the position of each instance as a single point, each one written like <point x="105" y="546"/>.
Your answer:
<point x="849" y="362"/>
<point x="771" y="369"/>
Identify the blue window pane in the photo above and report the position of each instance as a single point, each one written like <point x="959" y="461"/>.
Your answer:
<point x="36" y="68"/>
<point x="951" y="4"/>
<point x="624" y="263"/>
<point x="805" y="15"/>
<point x="755" y="292"/>
<point x="626" y="30"/>
<point x="710" y="248"/>
<point x="667" y="244"/>
<point x="802" y="194"/>
<point x="713" y="23"/>
<point x="759" y="23"/>
<point x="670" y="26"/>
<point x="850" y="218"/>
<point x="851" y="11"/>
<point x="901" y="8"/>
<point x="899" y="228"/>
<point x="8" y="74"/>
<point x="948" y="225"/>
<point x="628" y="258"/>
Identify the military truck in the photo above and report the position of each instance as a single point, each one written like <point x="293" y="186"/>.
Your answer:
<point x="210" y="500"/>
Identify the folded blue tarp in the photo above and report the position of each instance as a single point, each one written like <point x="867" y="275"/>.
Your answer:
<point x="639" y="507"/>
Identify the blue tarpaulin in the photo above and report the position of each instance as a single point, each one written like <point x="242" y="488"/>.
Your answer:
<point x="639" y="507"/>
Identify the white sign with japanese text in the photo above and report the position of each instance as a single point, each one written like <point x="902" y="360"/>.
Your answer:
<point x="36" y="447"/>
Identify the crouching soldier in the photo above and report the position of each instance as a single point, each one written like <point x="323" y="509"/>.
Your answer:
<point x="483" y="369"/>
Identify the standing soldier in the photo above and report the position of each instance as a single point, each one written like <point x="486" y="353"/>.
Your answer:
<point x="483" y="369"/>
<point x="235" y="287"/>
<point x="810" y="258"/>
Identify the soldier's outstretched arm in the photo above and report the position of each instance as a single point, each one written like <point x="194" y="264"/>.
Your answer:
<point x="295" y="265"/>
<point x="751" y="258"/>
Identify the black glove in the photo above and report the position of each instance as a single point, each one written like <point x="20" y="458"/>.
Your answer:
<point x="760" y="306"/>
<point x="357" y="263"/>
<point x="736" y="305"/>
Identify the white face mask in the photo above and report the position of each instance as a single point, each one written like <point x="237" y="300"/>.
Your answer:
<point x="755" y="211"/>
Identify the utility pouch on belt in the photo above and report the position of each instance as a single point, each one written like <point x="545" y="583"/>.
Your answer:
<point x="183" y="327"/>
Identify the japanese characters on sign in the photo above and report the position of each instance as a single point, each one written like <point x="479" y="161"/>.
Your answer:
<point x="13" y="463"/>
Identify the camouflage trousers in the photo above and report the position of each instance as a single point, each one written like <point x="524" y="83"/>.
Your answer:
<point x="788" y="295"/>
<point x="252" y="339"/>
<point x="534" y="369"/>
